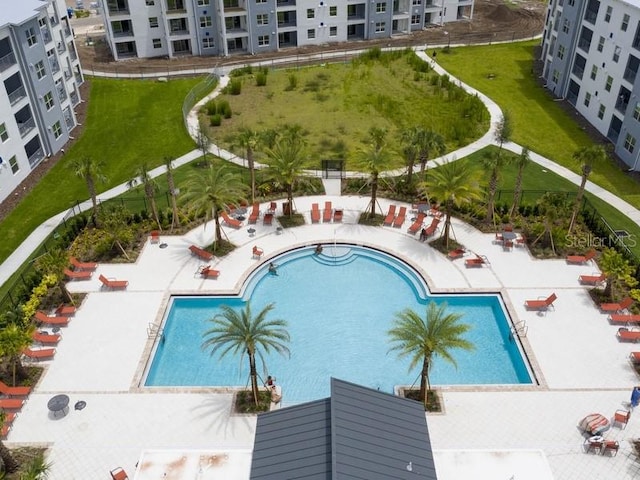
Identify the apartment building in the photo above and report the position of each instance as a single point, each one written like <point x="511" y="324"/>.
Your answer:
<point x="156" y="28"/>
<point x="40" y="72"/>
<point x="591" y="55"/>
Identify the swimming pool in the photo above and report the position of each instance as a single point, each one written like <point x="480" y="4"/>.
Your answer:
<point x="339" y="306"/>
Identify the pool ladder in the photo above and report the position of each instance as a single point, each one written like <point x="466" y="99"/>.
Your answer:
<point x="519" y="329"/>
<point x="154" y="331"/>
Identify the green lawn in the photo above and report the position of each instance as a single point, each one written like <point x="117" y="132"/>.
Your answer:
<point x="128" y="121"/>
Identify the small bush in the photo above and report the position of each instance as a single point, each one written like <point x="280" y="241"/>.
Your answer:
<point x="293" y="82"/>
<point x="211" y="107"/>
<point x="239" y="72"/>
<point x="261" y="79"/>
<point x="235" y="86"/>
<point x="215" y="120"/>
<point x="224" y="109"/>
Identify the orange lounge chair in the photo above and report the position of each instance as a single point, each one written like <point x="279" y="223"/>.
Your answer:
<point x="417" y="223"/>
<point x="154" y="237"/>
<point x="626" y="335"/>
<point x="623" y="318"/>
<point x="50" y="320"/>
<point x="208" y="272"/>
<point x="113" y="283"/>
<point x="337" y="215"/>
<point x="66" y="310"/>
<point x="592" y="279"/>
<point x="327" y="212"/>
<point x="9" y="417"/>
<point x="397" y="223"/>
<point x="435" y="212"/>
<point x="540" y="304"/>
<point x="119" y="474"/>
<point x="201" y="253"/>
<point x="634" y="357"/>
<point x="272" y="208"/>
<point x="431" y="229"/>
<point x="11" y="403"/>
<point x="8" y="391"/>
<point x="230" y="222"/>
<point x="477" y="261"/>
<point x="267" y="219"/>
<point x="77" y="274"/>
<point x="315" y="213"/>
<point x="39" y="354"/>
<point x="457" y="253"/>
<point x="46" y="338"/>
<point x="257" y="252"/>
<point x="391" y="215"/>
<point x="617" y="307"/>
<point x="255" y="213"/>
<point x="578" y="259"/>
<point x="78" y="265"/>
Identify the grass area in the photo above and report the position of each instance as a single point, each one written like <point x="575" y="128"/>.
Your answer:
<point x="128" y="121"/>
<point x="504" y="73"/>
<point x="336" y="104"/>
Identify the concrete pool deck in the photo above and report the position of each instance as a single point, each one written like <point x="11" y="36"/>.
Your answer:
<point x="581" y="366"/>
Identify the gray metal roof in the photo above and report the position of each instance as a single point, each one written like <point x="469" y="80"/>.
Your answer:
<point x="357" y="433"/>
<point x="16" y="12"/>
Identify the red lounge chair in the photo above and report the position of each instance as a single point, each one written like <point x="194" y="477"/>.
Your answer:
<point x="257" y="252"/>
<point x="541" y="304"/>
<point x="337" y="215"/>
<point x="592" y="279"/>
<point x="417" y="223"/>
<point x="201" y="253"/>
<point x="46" y="338"/>
<point x="457" y="253"/>
<point x="327" y="212"/>
<point x="208" y="272"/>
<point x="39" y="354"/>
<point x="272" y="208"/>
<point x="112" y="283"/>
<point x="255" y="213"/>
<point x="154" y="237"/>
<point x="477" y="261"/>
<point x="77" y="274"/>
<point x="435" y="212"/>
<point x="626" y="335"/>
<point x="11" y="403"/>
<point x="391" y="215"/>
<point x="315" y="213"/>
<point x="431" y="229"/>
<point x="623" y="318"/>
<point x="9" y="417"/>
<point x="578" y="259"/>
<point x="8" y="391"/>
<point x="521" y="241"/>
<point x="230" y="222"/>
<point x="397" y="223"/>
<point x="78" y="265"/>
<point x="66" y="310"/>
<point x="617" y="307"/>
<point x="119" y="474"/>
<point x="267" y="219"/>
<point x="44" y="318"/>
<point x="634" y="357"/>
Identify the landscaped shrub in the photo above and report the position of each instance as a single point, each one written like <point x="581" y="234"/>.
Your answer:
<point x="224" y="108"/>
<point x="239" y="72"/>
<point x="211" y="107"/>
<point x="292" y="79"/>
<point x="235" y="86"/>
<point x="261" y="78"/>
<point x="215" y="120"/>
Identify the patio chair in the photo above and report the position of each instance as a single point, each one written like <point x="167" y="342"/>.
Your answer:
<point x="8" y="391"/>
<point x="201" y="253"/>
<point x="112" y="283"/>
<point x="51" y="320"/>
<point x="267" y="219"/>
<point x="11" y="403"/>
<point x="477" y="261"/>
<point x="455" y="254"/>
<point x="578" y="259"/>
<point x="391" y="215"/>
<point x="432" y="228"/>
<point x="593" y="444"/>
<point x="627" y="335"/>
<point x="39" y="354"/>
<point x="154" y="237"/>
<point x="77" y="274"/>
<point x="399" y="220"/>
<point x="65" y="310"/>
<point x="255" y="213"/>
<point x="594" y="280"/>
<point x="208" y="272"/>
<point x="44" y="338"/>
<point x="498" y="238"/>
<point x="417" y="223"/>
<point x="623" y="318"/>
<point x="327" y="212"/>
<point x="634" y="358"/>
<point x="78" y="265"/>
<point x="617" y="307"/>
<point x="257" y="252"/>
<point x="230" y="222"/>
<point x="540" y="303"/>
<point x="610" y="447"/>
<point x="337" y="215"/>
<point x="272" y="208"/>
<point x="521" y="241"/>
<point x="435" y="212"/>
<point x="622" y="417"/>
<point x="119" y="474"/>
<point x="315" y="213"/>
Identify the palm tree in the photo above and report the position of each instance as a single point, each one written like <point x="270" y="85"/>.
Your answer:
<point x="454" y="183"/>
<point x="521" y="162"/>
<point x="410" y="151"/>
<point x="422" y="339"/>
<point x="168" y="163"/>
<point x="91" y="172"/>
<point x="376" y="158"/>
<point x="54" y="262"/>
<point x="553" y="207"/>
<point x="617" y="270"/>
<point x="286" y="164"/>
<point x="239" y="332"/>
<point x="150" y="189"/>
<point x="588" y="157"/>
<point x="249" y="139"/>
<point x="494" y="162"/>
<point x="13" y="340"/>
<point x="211" y="191"/>
<point x="428" y="142"/>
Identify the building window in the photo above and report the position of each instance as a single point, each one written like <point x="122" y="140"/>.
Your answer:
<point x="415" y="19"/>
<point x="262" y="19"/>
<point x="31" y="36"/>
<point x="616" y="54"/>
<point x="311" y="33"/>
<point x="566" y="25"/>
<point x="333" y="11"/>
<point x="417" y="2"/>
<point x="57" y="129"/>
<point x="333" y="31"/>
<point x="13" y="163"/>
<point x="601" y="44"/>
<point x="571" y="3"/>
<point x="607" y="86"/>
<point x="204" y="3"/>
<point x="263" y="40"/>
<point x="153" y="22"/>
<point x="625" y="22"/>
<point x="381" y="7"/>
<point x="311" y="13"/>
<point x="594" y="72"/>
<point x="556" y="76"/>
<point x="48" y="101"/>
<point x="636" y="111"/>
<point x="587" y="99"/>
<point x="150" y="3"/>
<point x="207" y="42"/>
<point x="157" y="43"/>
<point x="601" y="111"/>
<point x="607" y="16"/>
<point x="205" y="22"/>
<point x="261" y="1"/>
<point x="629" y="143"/>
<point x="4" y="136"/>
<point x="380" y="27"/>
<point x="40" y="71"/>
<point x="560" y="52"/>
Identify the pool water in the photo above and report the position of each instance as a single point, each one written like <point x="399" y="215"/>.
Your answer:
<point x="338" y="306"/>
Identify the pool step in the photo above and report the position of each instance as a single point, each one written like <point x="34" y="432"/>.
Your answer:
<point x="334" y="256"/>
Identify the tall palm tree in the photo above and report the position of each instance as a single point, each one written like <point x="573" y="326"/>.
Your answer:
<point x="150" y="188"/>
<point x="410" y="150"/>
<point x="521" y="162"/>
<point x="493" y="161"/>
<point x="241" y="332"/>
<point x="588" y="157"/>
<point x="375" y="158"/>
<point x="209" y="192"/>
<point x="91" y="171"/>
<point x="13" y="340"/>
<point x="286" y="164"/>
<point x="429" y="142"/>
<point x="618" y="271"/>
<point x="454" y="183"/>
<point x="423" y="338"/>
<point x="249" y="139"/>
<point x="168" y="163"/>
<point x="554" y="209"/>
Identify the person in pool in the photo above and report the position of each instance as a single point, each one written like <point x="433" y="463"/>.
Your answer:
<point x="318" y="249"/>
<point x="273" y="269"/>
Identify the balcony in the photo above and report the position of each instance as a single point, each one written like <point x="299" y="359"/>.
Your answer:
<point x="7" y="61"/>
<point x="67" y="74"/>
<point x="176" y="6"/>
<point x="69" y="121"/>
<point x="60" y="47"/>
<point x="578" y="71"/>
<point x="36" y="157"/>
<point x="26" y="126"/>
<point x="622" y="103"/>
<point x="46" y="34"/>
<point x="118" y="7"/>
<point x="584" y="44"/>
<point x="67" y="31"/>
<point x="286" y="3"/>
<point x="630" y="75"/>
<point x="74" y="98"/>
<point x="591" y="16"/>
<point x="62" y="94"/>
<point x="72" y="52"/>
<point x="79" y="79"/>
<point x="17" y="95"/>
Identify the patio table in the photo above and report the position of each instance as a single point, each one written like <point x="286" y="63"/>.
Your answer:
<point x="59" y="403"/>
